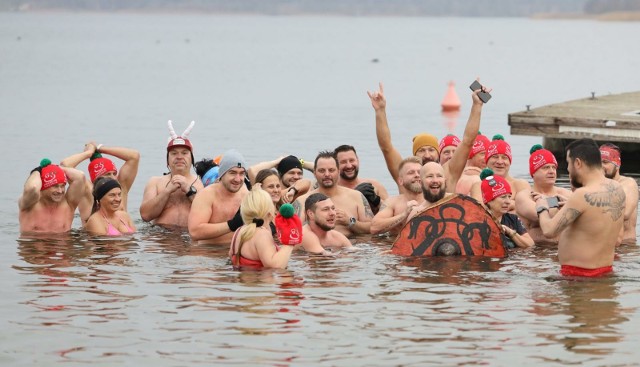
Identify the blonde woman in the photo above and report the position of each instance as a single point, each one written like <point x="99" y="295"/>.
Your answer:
<point x="107" y="218"/>
<point x="253" y="245"/>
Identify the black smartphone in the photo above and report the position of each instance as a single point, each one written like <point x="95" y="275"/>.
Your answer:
<point x="552" y="202"/>
<point x="484" y="96"/>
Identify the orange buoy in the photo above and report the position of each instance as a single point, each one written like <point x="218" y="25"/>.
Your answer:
<point x="451" y="102"/>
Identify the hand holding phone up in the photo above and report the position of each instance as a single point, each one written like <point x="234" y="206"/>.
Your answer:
<point x="483" y="95"/>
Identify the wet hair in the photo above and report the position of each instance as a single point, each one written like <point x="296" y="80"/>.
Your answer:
<point x="325" y="154"/>
<point x="410" y="159"/>
<point x="255" y="207"/>
<point x="587" y="151"/>
<point x="101" y="187"/>
<point x="344" y="148"/>
<point x="264" y="174"/>
<point x="203" y="166"/>
<point x="313" y="199"/>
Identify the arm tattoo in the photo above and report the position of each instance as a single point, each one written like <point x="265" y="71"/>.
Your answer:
<point x="367" y="208"/>
<point x="567" y="218"/>
<point x="611" y="200"/>
<point x="382" y="207"/>
<point x="296" y="206"/>
<point x="394" y="224"/>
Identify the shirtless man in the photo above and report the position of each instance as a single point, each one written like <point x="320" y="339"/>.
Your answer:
<point x="319" y="231"/>
<point x="44" y="205"/>
<point x="434" y="187"/>
<point x="498" y="159"/>
<point x="290" y="171"/>
<point x="447" y="147"/>
<point x="100" y="166"/>
<point x="215" y="213"/>
<point x="542" y="167"/>
<point x="426" y="145"/>
<point x="167" y="199"/>
<point x="591" y="220"/>
<point x="353" y="214"/>
<point x="395" y="210"/>
<point x="349" y="166"/>
<point x="611" y="163"/>
<point x="475" y="165"/>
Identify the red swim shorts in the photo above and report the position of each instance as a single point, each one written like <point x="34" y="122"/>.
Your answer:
<point x="574" y="271"/>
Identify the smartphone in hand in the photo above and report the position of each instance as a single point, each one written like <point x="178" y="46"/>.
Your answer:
<point x="552" y="201"/>
<point x="484" y="96"/>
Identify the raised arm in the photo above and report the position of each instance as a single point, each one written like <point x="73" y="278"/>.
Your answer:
<point x="129" y="170"/>
<point x="252" y="172"/>
<point x="74" y="160"/>
<point x="77" y="186"/>
<point x="391" y="155"/>
<point x="456" y="164"/>
<point x="31" y="192"/>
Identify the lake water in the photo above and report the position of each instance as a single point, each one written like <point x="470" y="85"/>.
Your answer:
<point x="271" y="86"/>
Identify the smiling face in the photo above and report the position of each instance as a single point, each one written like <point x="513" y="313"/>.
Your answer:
<point x="349" y="165"/>
<point x="54" y="193"/>
<point x="233" y="179"/>
<point x="272" y="186"/>
<point x="291" y="177"/>
<point x="111" y="200"/>
<point x="433" y="182"/>
<point x="499" y="164"/>
<point x="326" y="172"/>
<point x="410" y="177"/>
<point x="428" y="154"/>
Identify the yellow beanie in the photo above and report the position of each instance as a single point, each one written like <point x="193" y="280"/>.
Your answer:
<point x="423" y="139"/>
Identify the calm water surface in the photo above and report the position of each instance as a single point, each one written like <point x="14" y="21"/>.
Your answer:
<point x="270" y="86"/>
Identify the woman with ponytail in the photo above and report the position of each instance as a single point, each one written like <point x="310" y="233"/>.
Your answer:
<point x="253" y="245"/>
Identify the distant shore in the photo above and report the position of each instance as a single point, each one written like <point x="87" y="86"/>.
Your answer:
<point x="620" y="16"/>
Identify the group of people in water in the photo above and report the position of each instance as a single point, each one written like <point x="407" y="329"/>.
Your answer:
<point x="263" y="212"/>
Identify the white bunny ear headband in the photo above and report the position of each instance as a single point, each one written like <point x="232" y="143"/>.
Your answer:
<point x="185" y="133"/>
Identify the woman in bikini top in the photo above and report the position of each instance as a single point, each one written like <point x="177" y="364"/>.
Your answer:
<point x="107" y="218"/>
<point x="253" y="245"/>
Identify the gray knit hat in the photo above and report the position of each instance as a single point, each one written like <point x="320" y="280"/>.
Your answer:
<point x="230" y="159"/>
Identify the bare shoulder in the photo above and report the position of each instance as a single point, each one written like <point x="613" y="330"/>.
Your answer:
<point x="521" y="184"/>
<point x="628" y="182"/>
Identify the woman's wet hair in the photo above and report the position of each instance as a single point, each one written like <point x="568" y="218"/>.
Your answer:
<point x="266" y="173"/>
<point x="101" y="187"/>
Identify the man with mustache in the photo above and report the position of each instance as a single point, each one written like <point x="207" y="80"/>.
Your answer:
<point x="542" y="167"/>
<point x="167" y="199"/>
<point x="215" y="212"/>
<point x="434" y="187"/>
<point x="349" y="166"/>
<point x="590" y="222"/>
<point x="395" y="210"/>
<point x="319" y="231"/>
<point x="611" y="163"/>
<point x="426" y="146"/>
<point x="353" y="213"/>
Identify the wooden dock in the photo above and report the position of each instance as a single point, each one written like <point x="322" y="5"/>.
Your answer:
<point x="611" y="118"/>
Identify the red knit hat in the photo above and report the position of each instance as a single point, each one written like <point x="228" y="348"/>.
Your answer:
<point x="99" y="166"/>
<point x="288" y="226"/>
<point x="498" y="146"/>
<point x="479" y="145"/>
<point x="609" y="154"/>
<point x="540" y="157"/>
<point x="51" y="175"/>
<point x="493" y="186"/>
<point x="449" y="141"/>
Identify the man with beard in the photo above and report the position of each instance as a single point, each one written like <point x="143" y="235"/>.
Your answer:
<point x="395" y="211"/>
<point x="591" y="220"/>
<point x="349" y="166"/>
<point x="215" y="212"/>
<point x="542" y="167"/>
<point x="611" y="163"/>
<point x="290" y="171"/>
<point x="434" y="187"/>
<point x="353" y="214"/>
<point x="426" y="146"/>
<point x="319" y="231"/>
<point x="167" y="199"/>
<point x="45" y="206"/>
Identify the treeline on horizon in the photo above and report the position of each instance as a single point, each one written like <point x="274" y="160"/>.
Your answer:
<point x="344" y="7"/>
